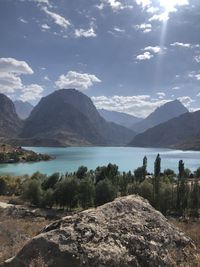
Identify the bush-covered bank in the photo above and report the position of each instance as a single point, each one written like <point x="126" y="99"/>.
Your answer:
<point x="12" y="154"/>
<point x="177" y="195"/>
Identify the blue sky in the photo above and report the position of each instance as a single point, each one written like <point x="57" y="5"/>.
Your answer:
<point x="130" y="56"/>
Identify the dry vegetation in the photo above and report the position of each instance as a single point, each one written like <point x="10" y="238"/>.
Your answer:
<point x="14" y="233"/>
<point x="192" y="229"/>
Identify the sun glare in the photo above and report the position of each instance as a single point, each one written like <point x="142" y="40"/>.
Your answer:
<point x="170" y="5"/>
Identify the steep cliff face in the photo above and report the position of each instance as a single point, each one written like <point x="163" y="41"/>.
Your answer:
<point x="10" y="123"/>
<point x="70" y="116"/>
<point x="126" y="232"/>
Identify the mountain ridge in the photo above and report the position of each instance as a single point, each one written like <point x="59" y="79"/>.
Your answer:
<point x="181" y="133"/>
<point x="120" y="118"/>
<point x="162" y="114"/>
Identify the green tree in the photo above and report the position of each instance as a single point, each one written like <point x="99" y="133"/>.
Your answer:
<point x="32" y="192"/>
<point x="157" y="170"/>
<point x="105" y="192"/>
<point x="51" y="181"/>
<point x="86" y="193"/>
<point x="139" y="174"/>
<point x="81" y="173"/>
<point x="48" y="198"/>
<point x="3" y="186"/>
<point x="195" y="199"/>
<point x="66" y="192"/>
<point x="181" y="169"/>
<point x="146" y="190"/>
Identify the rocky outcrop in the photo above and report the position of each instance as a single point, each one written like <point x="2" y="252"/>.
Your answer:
<point x="124" y="233"/>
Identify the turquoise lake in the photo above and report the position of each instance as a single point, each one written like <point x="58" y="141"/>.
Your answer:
<point x="127" y="158"/>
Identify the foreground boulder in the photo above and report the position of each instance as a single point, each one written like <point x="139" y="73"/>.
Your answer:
<point x="126" y="232"/>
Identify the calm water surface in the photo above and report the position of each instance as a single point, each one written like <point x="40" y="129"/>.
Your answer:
<point x="127" y="158"/>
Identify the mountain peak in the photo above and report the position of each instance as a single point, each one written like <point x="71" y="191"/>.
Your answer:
<point x="162" y="114"/>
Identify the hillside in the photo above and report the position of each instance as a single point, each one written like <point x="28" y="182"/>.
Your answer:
<point x="162" y="114"/>
<point x="10" y="123"/>
<point x="120" y="118"/>
<point x="69" y="117"/>
<point x="23" y="109"/>
<point x="182" y="132"/>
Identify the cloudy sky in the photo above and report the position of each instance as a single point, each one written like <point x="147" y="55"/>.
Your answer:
<point x="128" y="55"/>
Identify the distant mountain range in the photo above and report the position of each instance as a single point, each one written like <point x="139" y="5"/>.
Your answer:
<point x="162" y="114"/>
<point x="23" y="109"/>
<point x="182" y="132"/>
<point x="68" y="117"/>
<point x="120" y="118"/>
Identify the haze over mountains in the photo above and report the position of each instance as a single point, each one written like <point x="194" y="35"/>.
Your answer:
<point x="162" y="114"/>
<point x="23" y="109"/>
<point x="182" y="132"/>
<point x="120" y="118"/>
<point x="68" y="117"/>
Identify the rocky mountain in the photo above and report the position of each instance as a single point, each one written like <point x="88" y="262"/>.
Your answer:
<point x="23" y="109"/>
<point x="182" y="132"/>
<point x="126" y="232"/>
<point x="162" y="114"/>
<point x="68" y="117"/>
<point x="10" y="123"/>
<point x="120" y="118"/>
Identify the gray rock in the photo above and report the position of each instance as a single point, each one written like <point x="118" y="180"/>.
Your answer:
<point x="124" y="233"/>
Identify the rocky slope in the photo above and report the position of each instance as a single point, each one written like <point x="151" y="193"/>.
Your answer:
<point x="10" y="123"/>
<point x="120" y="118"/>
<point x="23" y="109"/>
<point x="182" y="132"/>
<point x="162" y="114"/>
<point x="70" y="118"/>
<point x="124" y="233"/>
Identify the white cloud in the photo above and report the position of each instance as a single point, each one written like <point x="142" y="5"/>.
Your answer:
<point x="186" y="101"/>
<point x="46" y="78"/>
<point x="10" y="70"/>
<point x="154" y="49"/>
<point x="43" y="2"/>
<point x="116" y="5"/>
<point x="23" y="20"/>
<point x="185" y="45"/>
<point x="80" y="81"/>
<point x="31" y="92"/>
<point x="10" y="81"/>
<point x="58" y="19"/>
<point x="100" y="6"/>
<point x="45" y="27"/>
<point x="194" y="75"/>
<point x="85" y="33"/>
<point x="144" y="27"/>
<point x="161" y="95"/>
<point x="11" y="65"/>
<point x="139" y="105"/>
<point x="144" y="56"/>
<point x="144" y="3"/>
<point x="118" y="29"/>
<point x="176" y="88"/>
<point x="197" y="58"/>
<point x="160" y="17"/>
